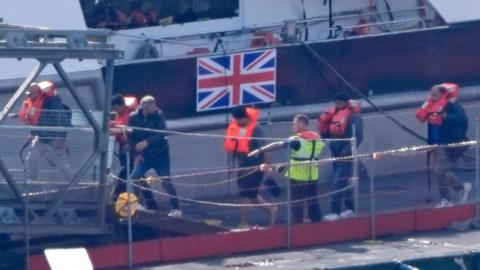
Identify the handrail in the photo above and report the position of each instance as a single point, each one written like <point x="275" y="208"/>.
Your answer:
<point x="323" y="18"/>
<point x="374" y="24"/>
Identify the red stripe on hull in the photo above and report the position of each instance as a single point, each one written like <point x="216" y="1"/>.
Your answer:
<point x="203" y="246"/>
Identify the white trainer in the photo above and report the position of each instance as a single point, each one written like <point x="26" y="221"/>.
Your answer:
<point x="175" y="213"/>
<point x="463" y="195"/>
<point x="331" y="217"/>
<point x="444" y="203"/>
<point x="347" y="214"/>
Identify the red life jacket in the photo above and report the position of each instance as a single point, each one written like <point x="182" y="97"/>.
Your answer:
<point x="309" y="135"/>
<point x="335" y="122"/>
<point x="122" y="118"/>
<point x="238" y="138"/>
<point x="138" y="18"/>
<point x="32" y="109"/>
<point x="432" y="111"/>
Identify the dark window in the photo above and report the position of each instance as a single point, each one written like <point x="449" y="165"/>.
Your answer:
<point x="121" y="14"/>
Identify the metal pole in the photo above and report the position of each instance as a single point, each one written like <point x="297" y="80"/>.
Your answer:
<point x="129" y="209"/>
<point x="372" y="191"/>
<point x="26" y="217"/>
<point x="104" y="136"/>
<point x="355" y="168"/>
<point x="289" y="200"/>
<point x="477" y="169"/>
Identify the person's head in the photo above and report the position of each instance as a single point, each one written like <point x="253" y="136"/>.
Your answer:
<point x="437" y="92"/>
<point x="148" y="105"/>
<point x="240" y="115"/>
<point x="118" y="103"/>
<point x="341" y="100"/>
<point x="34" y="91"/>
<point x="300" y="123"/>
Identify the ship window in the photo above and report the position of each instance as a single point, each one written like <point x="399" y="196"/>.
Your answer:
<point x="121" y="14"/>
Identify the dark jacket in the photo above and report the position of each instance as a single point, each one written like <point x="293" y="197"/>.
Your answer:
<point x="53" y="115"/>
<point x="453" y="129"/>
<point x="344" y="148"/>
<point x="157" y="141"/>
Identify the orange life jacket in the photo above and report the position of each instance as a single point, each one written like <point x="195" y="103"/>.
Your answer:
<point x="32" y="109"/>
<point x="432" y="111"/>
<point x="309" y="135"/>
<point x="238" y="138"/>
<point x="122" y="118"/>
<point x="335" y="122"/>
<point x="138" y="18"/>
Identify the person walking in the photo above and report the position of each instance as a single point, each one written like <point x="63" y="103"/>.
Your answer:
<point x="150" y="149"/>
<point x="303" y="173"/>
<point x="447" y="123"/>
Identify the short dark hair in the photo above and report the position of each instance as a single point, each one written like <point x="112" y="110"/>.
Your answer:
<point x="118" y="100"/>
<point x="341" y="96"/>
<point x="239" y="112"/>
<point x="302" y="118"/>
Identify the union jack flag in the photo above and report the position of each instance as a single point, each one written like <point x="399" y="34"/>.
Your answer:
<point x="236" y="79"/>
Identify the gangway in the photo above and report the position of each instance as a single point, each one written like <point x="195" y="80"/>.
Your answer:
<point x="65" y="210"/>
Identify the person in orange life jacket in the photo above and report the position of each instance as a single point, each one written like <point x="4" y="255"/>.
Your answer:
<point x="43" y="107"/>
<point x="306" y="146"/>
<point x="337" y="123"/>
<point x="447" y="123"/>
<point x="122" y="111"/>
<point x="151" y="151"/>
<point x="245" y="134"/>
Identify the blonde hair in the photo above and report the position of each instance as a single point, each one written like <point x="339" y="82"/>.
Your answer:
<point x="147" y="100"/>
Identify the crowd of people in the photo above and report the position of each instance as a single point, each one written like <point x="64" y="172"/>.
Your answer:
<point x="120" y="14"/>
<point x="146" y="147"/>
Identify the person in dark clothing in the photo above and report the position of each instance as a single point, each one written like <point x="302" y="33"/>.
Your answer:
<point x="122" y="114"/>
<point x="44" y="107"/>
<point x="151" y="150"/>
<point x="343" y="169"/>
<point x="244" y="135"/>
<point x="452" y="130"/>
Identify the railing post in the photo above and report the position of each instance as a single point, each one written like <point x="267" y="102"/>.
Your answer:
<point x="372" y="190"/>
<point x="354" y="179"/>
<point x="129" y="210"/>
<point x="289" y="200"/>
<point x="477" y="169"/>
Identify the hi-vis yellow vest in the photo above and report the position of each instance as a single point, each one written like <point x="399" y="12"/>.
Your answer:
<point x="303" y="165"/>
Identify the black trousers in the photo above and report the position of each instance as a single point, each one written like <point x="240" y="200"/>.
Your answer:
<point x="305" y="191"/>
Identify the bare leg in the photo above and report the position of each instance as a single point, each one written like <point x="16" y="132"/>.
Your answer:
<point x="272" y="209"/>
<point x="245" y="212"/>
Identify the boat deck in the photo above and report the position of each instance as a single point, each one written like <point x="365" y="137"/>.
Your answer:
<point x="433" y="250"/>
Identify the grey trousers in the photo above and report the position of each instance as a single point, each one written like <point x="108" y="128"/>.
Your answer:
<point x="442" y="168"/>
<point x="54" y="151"/>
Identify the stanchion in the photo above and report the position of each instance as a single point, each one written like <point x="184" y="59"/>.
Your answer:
<point x="129" y="209"/>
<point x="372" y="191"/>
<point x="354" y="178"/>
<point x="289" y="200"/>
<point x="477" y="169"/>
<point x="26" y="216"/>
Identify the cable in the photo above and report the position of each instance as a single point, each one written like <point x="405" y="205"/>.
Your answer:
<point x="360" y="93"/>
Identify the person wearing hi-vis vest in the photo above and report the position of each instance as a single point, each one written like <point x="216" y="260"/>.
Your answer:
<point x="244" y="134"/>
<point x="303" y="172"/>
<point x="337" y="123"/>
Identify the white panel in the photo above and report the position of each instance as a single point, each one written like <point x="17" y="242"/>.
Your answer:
<point x="456" y="11"/>
<point x="55" y="14"/>
<point x="268" y="12"/>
